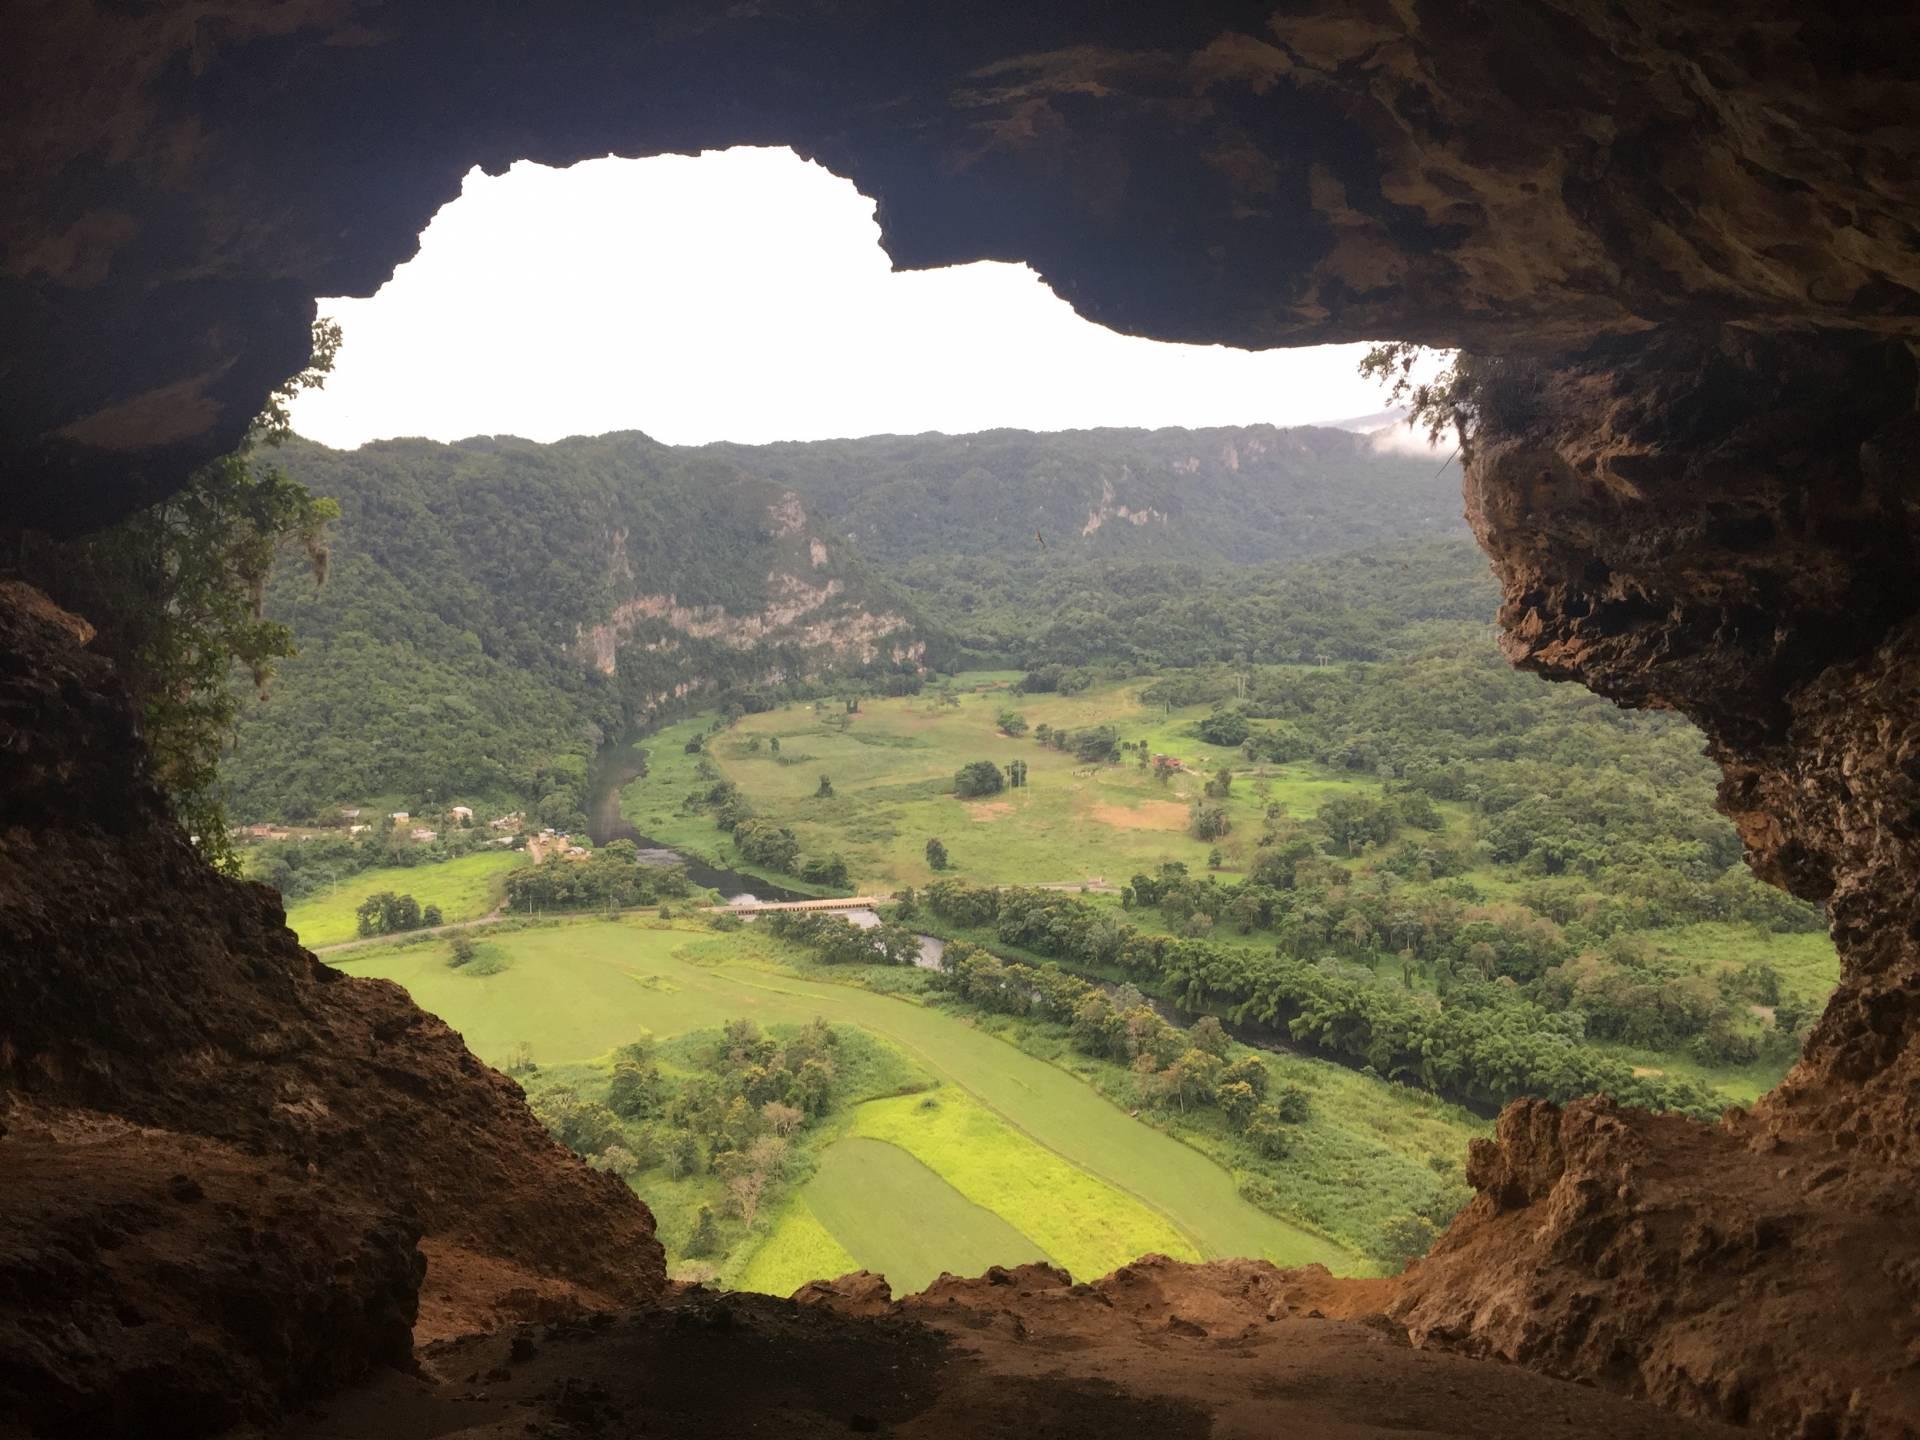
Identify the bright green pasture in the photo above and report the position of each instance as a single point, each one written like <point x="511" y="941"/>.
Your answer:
<point x="1077" y="1222"/>
<point x="577" y="991"/>
<point x="898" y="1218"/>
<point x="1809" y="966"/>
<point x="464" y="889"/>
<point x="892" y="769"/>
<point x="800" y="1249"/>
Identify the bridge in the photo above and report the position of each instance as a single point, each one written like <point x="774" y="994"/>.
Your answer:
<point x="840" y="902"/>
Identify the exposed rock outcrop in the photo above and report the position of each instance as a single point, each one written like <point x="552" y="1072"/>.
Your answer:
<point x="1725" y="524"/>
<point x="1502" y="174"/>
<point x="1726" y="1273"/>
<point x="138" y="986"/>
<point x="153" y="1283"/>
<point x="1230" y="1351"/>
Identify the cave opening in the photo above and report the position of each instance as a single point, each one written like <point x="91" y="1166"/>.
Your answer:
<point x="736" y="306"/>
<point x="1706" y="509"/>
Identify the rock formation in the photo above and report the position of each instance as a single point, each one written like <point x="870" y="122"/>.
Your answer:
<point x="183" y="179"/>
<point x="1698" y="224"/>
<point x="1235" y="1350"/>
<point x="220" y="1155"/>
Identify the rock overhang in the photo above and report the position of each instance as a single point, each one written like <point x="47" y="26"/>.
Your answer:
<point x="184" y="179"/>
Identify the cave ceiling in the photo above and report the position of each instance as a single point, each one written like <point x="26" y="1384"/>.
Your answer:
<point x="182" y="179"/>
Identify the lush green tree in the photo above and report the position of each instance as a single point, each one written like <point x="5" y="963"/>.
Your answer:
<point x="616" y="1159"/>
<point x="176" y="593"/>
<point x="1407" y="1238"/>
<point x="980" y="777"/>
<point x="1223" y="727"/>
<point x="683" y="1155"/>
<point x="936" y="855"/>
<point x="705" y="1239"/>
<point x="1267" y="1131"/>
<point x="1012" y="722"/>
<point x="1208" y="822"/>
<point x="636" y="1091"/>
<point x="1236" y="1101"/>
<point x="825" y="790"/>
<point x="831" y="872"/>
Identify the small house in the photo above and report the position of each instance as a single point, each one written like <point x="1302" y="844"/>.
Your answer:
<point x="420" y="832"/>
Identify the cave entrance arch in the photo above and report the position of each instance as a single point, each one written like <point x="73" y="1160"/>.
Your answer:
<point x="1708" y="246"/>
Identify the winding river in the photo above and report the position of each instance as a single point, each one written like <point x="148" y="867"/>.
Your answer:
<point x="616" y="766"/>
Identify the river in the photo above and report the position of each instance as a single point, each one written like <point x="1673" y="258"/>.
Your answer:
<point x="616" y="766"/>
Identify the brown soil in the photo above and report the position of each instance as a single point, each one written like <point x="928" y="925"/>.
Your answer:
<point x="1148" y="815"/>
<point x="1230" y="1351"/>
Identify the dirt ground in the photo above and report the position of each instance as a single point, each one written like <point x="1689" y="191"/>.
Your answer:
<point x="1148" y="815"/>
<point x="1231" y="1351"/>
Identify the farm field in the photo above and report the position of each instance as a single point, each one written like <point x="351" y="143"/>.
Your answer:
<point x="1009" y="1134"/>
<point x="464" y="889"/>
<point x="892" y="771"/>
<point x="892" y="766"/>
<point x="899" y="1218"/>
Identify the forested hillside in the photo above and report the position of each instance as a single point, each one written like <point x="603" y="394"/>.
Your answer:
<point x="496" y="608"/>
<point x="1247" y="495"/>
<point x="1148" y="547"/>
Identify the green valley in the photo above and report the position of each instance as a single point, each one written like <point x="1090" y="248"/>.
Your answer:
<point x="998" y="1137"/>
<point x="1263" y="881"/>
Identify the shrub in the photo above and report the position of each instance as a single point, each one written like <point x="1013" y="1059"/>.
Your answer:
<point x="1224" y="727"/>
<point x="981" y="777"/>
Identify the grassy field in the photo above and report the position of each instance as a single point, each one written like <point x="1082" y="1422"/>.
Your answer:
<point x="893" y="766"/>
<point x="576" y="991"/>
<point x="898" y="1218"/>
<point x="1086" y="1227"/>
<point x="800" y="1249"/>
<point x="464" y="889"/>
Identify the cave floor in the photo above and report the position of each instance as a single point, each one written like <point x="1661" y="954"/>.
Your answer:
<point x="1234" y="1349"/>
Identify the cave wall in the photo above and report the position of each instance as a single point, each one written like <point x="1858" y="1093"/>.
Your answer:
<point x="182" y="179"/>
<point x="1698" y="225"/>
<point x="1728" y="524"/>
<point x="219" y="1158"/>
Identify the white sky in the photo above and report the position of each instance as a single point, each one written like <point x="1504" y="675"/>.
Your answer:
<point x="743" y="295"/>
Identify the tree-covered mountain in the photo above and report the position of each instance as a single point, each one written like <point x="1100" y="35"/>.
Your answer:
<point x="1245" y="495"/>
<point x="497" y="607"/>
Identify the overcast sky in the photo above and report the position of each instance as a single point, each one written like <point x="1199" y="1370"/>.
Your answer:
<point x="743" y="295"/>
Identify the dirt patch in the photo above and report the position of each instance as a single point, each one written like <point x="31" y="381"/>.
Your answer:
<point x="1233" y="1351"/>
<point x="1150" y="815"/>
<point x="1645" y="1070"/>
<point x="988" y="811"/>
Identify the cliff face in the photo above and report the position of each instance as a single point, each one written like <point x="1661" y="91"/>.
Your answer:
<point x="286" y="1133"/>
<point x="1726" y="526"/>
<point x="805" y="610"/>
<point x="1699" y="219"/>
